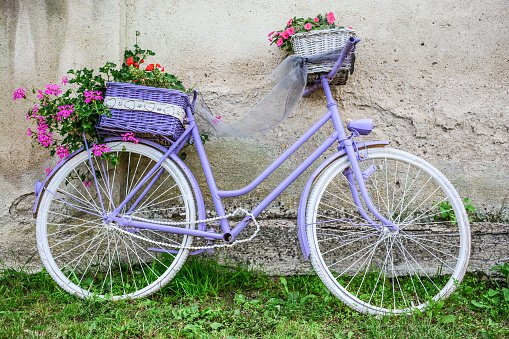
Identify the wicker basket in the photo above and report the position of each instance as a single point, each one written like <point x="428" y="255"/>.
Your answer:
<point x="151" y="113"/>
<point x="315" y="42"/>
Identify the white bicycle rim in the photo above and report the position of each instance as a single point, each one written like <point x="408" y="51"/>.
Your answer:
<point x="359" y="263"/>
<point x="141" y="266"/>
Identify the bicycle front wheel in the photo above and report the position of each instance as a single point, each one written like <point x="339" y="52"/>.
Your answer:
<point x="371" y="268"/>
<point x="87" y="256"/>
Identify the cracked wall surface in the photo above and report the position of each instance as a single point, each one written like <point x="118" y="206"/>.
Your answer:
<point x="433" y="75"/>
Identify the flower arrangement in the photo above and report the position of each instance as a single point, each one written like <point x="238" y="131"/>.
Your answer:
<point x="66" y="111"/>
<point x="282" y="38"/>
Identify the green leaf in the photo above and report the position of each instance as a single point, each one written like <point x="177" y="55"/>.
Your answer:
<point x="478" y="304"/>
<point x="492" y="293"/>
<point x="447" y="319"/>
<point x="216" y="326"/>
<point x="505" y="291"/>
<point x="240" y="298"/>
<point x="468" y="289"/>
<point x="439" y="304"/>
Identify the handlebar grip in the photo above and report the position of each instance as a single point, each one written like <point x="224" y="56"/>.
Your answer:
<point x="350" y="45"/>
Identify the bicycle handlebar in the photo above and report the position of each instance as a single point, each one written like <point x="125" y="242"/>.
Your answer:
<point x="349" y="47"/>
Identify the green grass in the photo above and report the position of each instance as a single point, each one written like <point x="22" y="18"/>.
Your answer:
<point x="210" y="300"/>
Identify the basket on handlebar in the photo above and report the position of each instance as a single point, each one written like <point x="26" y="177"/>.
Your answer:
<point x="151" y="113"/>
<point x="319" y="41"/>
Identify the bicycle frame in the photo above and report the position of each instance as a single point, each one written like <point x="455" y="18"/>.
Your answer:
<point x="345" y="145"/>
<point x="228" y="234"/>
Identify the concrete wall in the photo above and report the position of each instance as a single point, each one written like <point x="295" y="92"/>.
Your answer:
<point x="433" y="75"/>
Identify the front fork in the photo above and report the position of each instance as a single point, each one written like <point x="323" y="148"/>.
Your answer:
<point x="357" y="182"/>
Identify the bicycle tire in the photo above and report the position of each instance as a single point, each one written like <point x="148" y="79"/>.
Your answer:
<point x="374" y="270"/>
<point x="90" y="258"/>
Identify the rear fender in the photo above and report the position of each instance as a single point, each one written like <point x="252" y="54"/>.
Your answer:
<point x="301" y="214"/>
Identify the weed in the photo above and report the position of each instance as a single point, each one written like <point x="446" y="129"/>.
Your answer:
<point x="446" y="212"/>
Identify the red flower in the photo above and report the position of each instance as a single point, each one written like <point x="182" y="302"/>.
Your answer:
<point x="137" y="65"/>
<point x="142" y="61"/>
<point x="129" y="61"/>
<point x="151" y="67"/>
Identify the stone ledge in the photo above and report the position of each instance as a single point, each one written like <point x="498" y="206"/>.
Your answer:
<point x="276" y="249"/>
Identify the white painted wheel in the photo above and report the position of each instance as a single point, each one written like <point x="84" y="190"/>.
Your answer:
<point x="372" y="269"/>
<point x="88" y="257"/>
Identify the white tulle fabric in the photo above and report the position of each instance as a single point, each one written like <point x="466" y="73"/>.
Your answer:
<point x="289" y="78"/>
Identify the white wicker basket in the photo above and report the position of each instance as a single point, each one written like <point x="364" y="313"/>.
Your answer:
<point x="315" y="42"/>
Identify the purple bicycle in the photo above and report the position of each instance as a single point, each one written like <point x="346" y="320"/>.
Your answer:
<point x="385" y="231"/>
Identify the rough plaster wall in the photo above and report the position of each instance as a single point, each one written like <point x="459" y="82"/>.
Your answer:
<point x="433" y="75"/>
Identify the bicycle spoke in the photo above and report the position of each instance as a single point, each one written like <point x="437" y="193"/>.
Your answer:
<point x="384" y="271"/>
<point x="89" y="255"/>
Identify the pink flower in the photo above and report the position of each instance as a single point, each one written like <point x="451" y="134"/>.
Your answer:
<point x="45" y="138"/>
<point x="48" y="171"/>
<point x="64" y="112"/>
<point x="19" y="94"/>
<point x="62" y="152"/>
<point x="285" y="35"/>
<point x="35" y="109"/>
<point x="279" y="42"/>
<point x="290" y="31"/>
<point x="100" y="149"/>
<point x="330" y="18"/>
<point x="316" y="19"/>
<point x="308" y="26"/>
<point x="52" y="89"/>
<point x="289" y="23"/>
<point x="41" y="124"/>
<point x="271" y="33"/>
<point x="29" y="132"/>
<point x="65" y="80"/>
<point x="129" y="136"/>
<point x="349" y="27"/>
<point x="40" y="95"/>
<point x="92" y="95"/>
<point x="87" y="183"/>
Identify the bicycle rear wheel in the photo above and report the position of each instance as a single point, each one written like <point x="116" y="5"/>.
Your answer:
<point x="372" y="269"/>
<point x="89" y="257"/>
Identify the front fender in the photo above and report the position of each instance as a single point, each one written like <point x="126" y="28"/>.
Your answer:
<point x="40" y="186"/>
<point x="301" y="214"/>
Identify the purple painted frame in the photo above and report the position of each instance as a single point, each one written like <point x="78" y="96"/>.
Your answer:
<point x="346" y="147"/>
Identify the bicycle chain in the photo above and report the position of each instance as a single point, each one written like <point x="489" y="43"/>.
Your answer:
<point x="181" y="223"/>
